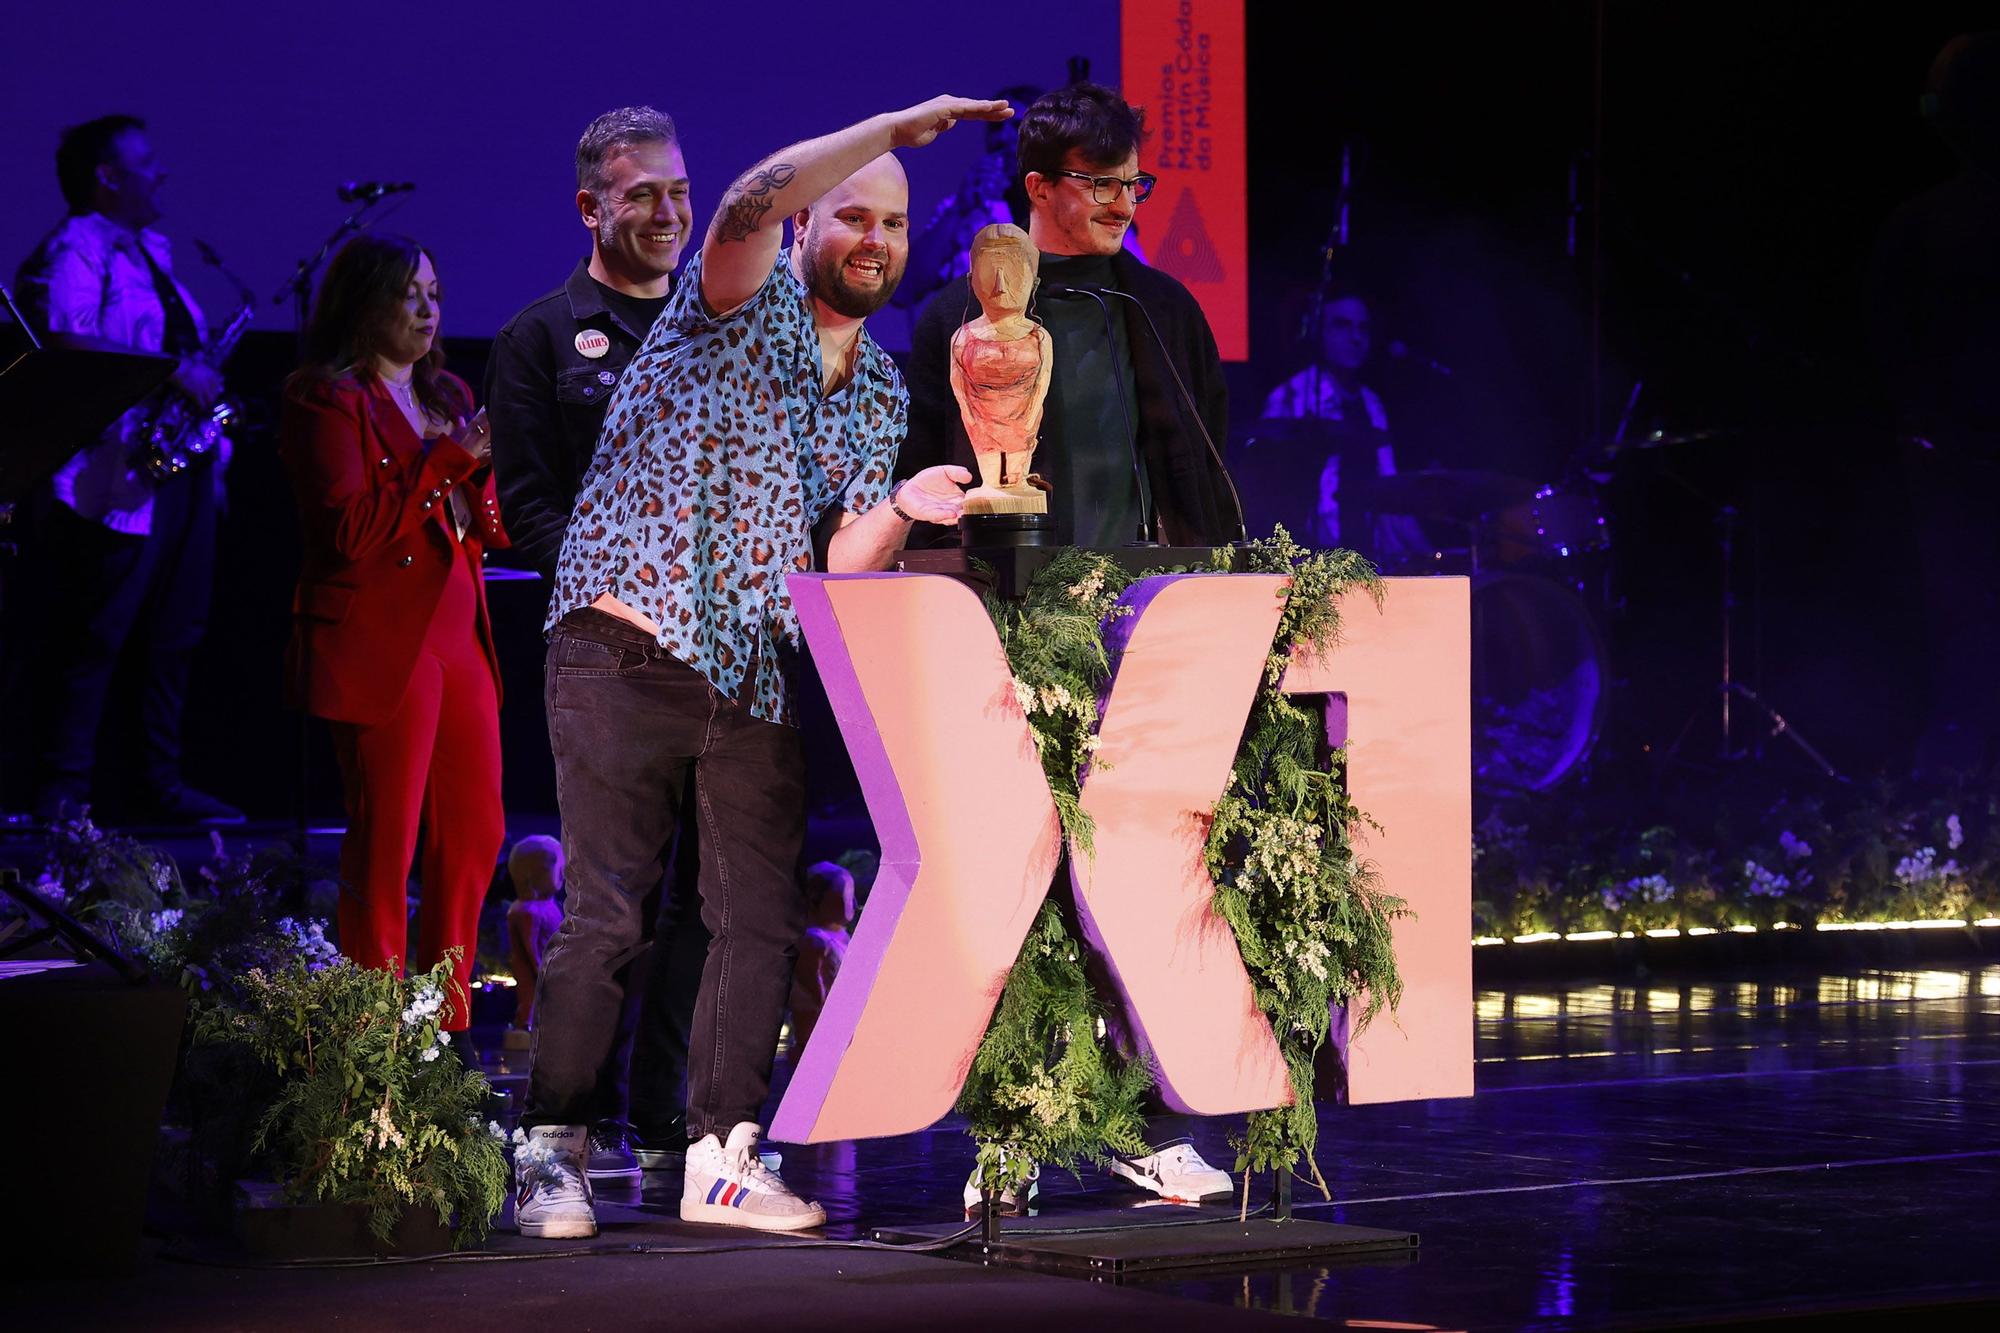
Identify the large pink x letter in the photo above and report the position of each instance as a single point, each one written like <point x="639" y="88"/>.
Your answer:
<point x="970" y="843"/>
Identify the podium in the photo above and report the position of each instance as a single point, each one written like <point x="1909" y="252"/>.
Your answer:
<point x="920" y="688"/>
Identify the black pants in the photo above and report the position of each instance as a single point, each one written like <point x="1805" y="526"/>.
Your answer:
<point x="101" y="590"/>
<point x="644" y="1079"/>
<point x="629" y="726"/>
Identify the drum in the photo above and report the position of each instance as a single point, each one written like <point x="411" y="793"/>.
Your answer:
<point x="1556" y="524"/>
<point x="1540" y="677"/>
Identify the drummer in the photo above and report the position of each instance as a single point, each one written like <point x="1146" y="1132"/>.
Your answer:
<point x="1329" y="389"/>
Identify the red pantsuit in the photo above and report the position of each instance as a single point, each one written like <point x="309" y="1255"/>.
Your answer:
<point x="391" y="644"/>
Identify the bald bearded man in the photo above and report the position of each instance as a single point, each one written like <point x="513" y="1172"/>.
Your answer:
<point x="753" y="435"/>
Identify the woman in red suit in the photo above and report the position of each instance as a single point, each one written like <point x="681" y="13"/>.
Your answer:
<point x="390" y="639"/>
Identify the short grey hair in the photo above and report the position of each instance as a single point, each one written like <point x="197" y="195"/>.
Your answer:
<point x="611" y="134"/>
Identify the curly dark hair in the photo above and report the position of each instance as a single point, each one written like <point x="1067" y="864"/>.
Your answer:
<point x="364" y="285"/>
<point x="82" y="150"/>
<point x="1088" y="117"/>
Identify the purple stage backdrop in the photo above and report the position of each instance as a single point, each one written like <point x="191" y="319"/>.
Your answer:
<point x="260" y="110"/>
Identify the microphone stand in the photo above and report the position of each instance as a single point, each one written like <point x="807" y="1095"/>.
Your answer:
<point x="1336" y="241"/>
<point x="299" y="288"/>
<point x="1146" y="529"/>
<point x="299" y="285"/>
<point x="1193" y="412"/>
<point x="19" y="319"/>
<point x="214" y="261"/>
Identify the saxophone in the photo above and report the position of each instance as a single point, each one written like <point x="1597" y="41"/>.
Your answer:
<point x="176" y="434"/>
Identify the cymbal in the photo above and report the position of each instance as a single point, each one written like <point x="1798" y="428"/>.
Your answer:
<point x="1459" y="496"/>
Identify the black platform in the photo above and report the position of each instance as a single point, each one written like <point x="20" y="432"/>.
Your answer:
<point x="1116" y="1245"/>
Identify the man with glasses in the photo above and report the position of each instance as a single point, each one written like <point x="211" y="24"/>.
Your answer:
<point x="1121" y="444"/>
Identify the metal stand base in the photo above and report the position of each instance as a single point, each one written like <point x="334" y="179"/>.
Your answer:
<point x="1114" y="1245"/>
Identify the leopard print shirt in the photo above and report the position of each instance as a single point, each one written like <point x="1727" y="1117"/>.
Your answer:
<point x="719" y="454"/>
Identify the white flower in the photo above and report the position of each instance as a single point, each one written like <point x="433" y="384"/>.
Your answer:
<point x="311" y="942"/>
<point x="50" y="889"/>
<point x="535" y="1159"/>
<point x="1954" y="833"/>
<point x="1793" y="846"/>
<point x="1643" y="889"/>
<point x="1765" y="883"/>
<point x="424" y="1004"/>
<point x="1087" y="587"/>
<point x="444" y="1038"/>
<point x="159" y="923"/>
<point x="430" y="1054"/>
<point x="1653" y="888"/>
<point x="1917" y="868"/>
<point x="1024" y="695"/>
<point x="386" y="1132"/>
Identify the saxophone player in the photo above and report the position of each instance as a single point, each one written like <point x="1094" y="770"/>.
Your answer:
<point x="135" y="556"/>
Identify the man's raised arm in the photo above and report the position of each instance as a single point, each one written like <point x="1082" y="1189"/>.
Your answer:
<point x="749" y="223"/>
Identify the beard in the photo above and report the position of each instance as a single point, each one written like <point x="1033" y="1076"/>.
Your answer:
<point x="609" y="243"/>
<point x="826" y="279"/>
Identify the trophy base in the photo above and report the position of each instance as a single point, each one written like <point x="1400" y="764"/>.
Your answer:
<point x="1015" y="529"/>
<point x="1006" y="500"/>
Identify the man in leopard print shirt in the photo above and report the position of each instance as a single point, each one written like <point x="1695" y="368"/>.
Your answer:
<point x="757" y="427"/>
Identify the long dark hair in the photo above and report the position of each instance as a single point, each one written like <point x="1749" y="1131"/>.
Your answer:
<point x="363" y="287"/>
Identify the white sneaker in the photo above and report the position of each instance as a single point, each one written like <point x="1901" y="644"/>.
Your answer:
<point x="726" y="1184"/>
<point x="1176" y="1172"/>
<point x="1012" y="1201"/>
<point x="552" y="1193"/>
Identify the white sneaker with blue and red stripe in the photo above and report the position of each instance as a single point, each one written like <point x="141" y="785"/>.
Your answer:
<point x="726" y="1184"/>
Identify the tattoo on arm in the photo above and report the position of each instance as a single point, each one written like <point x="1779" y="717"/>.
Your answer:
<point x="749" y="200"/>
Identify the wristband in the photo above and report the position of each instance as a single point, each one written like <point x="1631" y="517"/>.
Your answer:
<point x="897" y="509"/>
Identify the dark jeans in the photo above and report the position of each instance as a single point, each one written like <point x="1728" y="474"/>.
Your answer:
<point x="644" y="1079"/>
<point x="152" y="591"/>
<point x="629" y="726"/>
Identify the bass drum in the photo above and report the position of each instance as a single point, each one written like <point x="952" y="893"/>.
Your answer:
<point x="1540" y="677"/>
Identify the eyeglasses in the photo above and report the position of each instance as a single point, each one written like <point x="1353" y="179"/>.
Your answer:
<point x="1104" y="189"/>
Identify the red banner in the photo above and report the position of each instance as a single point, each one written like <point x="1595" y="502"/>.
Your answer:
<point x="1183" y="62"/>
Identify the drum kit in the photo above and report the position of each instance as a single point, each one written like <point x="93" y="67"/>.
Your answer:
<point x="1536" y="554"/>
<point x="1538" y="557"/>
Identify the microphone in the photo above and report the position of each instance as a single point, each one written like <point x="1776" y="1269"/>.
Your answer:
<point x="1187" y="399"/>
<point x="1057" y="289"/>
<point x="367" y="192"/>
<point x="7" y="299"/>
<point x="1400" y="351"/>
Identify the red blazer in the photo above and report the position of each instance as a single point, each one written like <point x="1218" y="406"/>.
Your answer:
<point x="378" y="545"/>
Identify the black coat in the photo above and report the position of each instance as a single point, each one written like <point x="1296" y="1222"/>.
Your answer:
<point x="546" y="401"/>
<point x="1189" y="494"/>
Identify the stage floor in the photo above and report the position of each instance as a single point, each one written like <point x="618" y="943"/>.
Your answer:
<point x="1716" y="1151"/>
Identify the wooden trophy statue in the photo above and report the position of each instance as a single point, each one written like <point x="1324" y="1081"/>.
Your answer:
<point x="1000" y="364"/>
